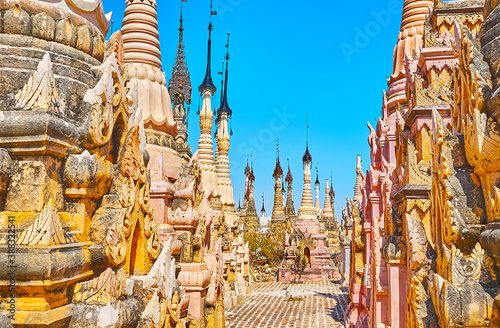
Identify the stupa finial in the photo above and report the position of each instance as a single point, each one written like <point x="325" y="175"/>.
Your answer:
<point x="208" y="84"/>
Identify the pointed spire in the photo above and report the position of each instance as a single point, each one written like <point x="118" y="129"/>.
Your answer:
<point x="289" y="208"/>
<point x="289" y="178"/>
<point x="327" y="209"/>
<point x="278" y="171"/>
<point x="208" y="84"/>
<point x="307" y="158"/>
<point x="317" y="203"/>
<point x="263" y="209"/>
<point x="359" y="180"/>
<point x="251" y="218"/>
<point x="179" y="86"/>
<point x="332" y="192"/>
<point x="252" y="176"/>
<point x="317" y="176"/>
<point x="247" y="169"/>
<point x="278" y="206"/>
<point x="221" y="73"/>
<point x="307" y="210"/>
<point x="224" y="108"/>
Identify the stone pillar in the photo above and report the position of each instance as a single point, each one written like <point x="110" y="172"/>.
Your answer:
<point x="346" y="257"/>
<point x="195" y="278"/>
<point x="397" y="294"/>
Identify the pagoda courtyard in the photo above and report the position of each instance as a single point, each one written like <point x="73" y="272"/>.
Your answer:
<point x="135" y="174"/>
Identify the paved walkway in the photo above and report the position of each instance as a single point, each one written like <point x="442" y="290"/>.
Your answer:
<point x="322" y="305"/>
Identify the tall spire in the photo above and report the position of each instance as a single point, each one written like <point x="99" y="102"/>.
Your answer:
<point x="247" y="185"/>
<point x="221" y="83"/>
<point x="205" y="142"/>
<point x="317" y="175"/>
<point x="332" y="194"/>
<point x="251" y="219"/>
<point x="252" y="176"/>
<point x="278" y="207"/>
<point x="179" y="85"/>
<point x="224" y="108"/>
<point x="317" y="203"/>
<point x="307" y="209"/>
<point x="289" y="177"/>
<point x="223" y="144"/>
<point x="263" y="209"/>
<point x="307" y="158"/>
<point x="278" y="171"/>
<point x="208" y="84"/>
<point x="283" y="193"/>
<point x="327" y="209"/>
<point x="289" y="208"/>
<point x="359" y="180"/>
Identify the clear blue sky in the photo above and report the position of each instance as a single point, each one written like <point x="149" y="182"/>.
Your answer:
<point x="289" y="57"/>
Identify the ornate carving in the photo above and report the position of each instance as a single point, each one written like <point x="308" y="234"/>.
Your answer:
<point x="444" y="226"/>
<point x="358" y="250"/>
<point x="45" y="231"/>
<point x="394" y="250"/>
<point x="109" y="287"/>
<point x="111" y="96"/>
<point x="182" y="218"/>
<point x="40" y="93"/>
<point x="87" y="176"/>
<point x="116" y="245"/>
<point x="216" y="286"/>
<point x="473" y="85"/>
<point x="418" y="172"/>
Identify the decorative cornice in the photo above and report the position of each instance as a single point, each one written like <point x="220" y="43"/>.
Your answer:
<point x="412" y="191"/>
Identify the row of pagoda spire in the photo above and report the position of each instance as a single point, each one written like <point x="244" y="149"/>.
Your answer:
<point x="214" y="161"/>
<point x="283" y="206"/>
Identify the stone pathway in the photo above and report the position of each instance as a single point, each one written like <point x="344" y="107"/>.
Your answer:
<point x="322" y="305"/>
